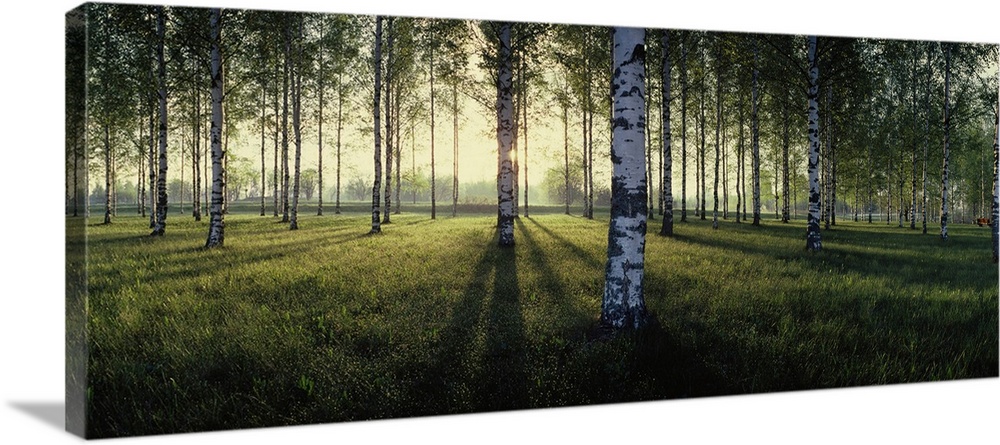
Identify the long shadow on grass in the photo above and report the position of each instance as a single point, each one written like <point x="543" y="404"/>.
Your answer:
<point x="194" y="261"/>
<point x="577" y="251"/>
<point x="479" y="364"/>
<point x="842" y="252"/>
<point x="551" y="283"/>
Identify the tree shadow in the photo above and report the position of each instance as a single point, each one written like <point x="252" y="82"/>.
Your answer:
<point x="578" y="252"/>
<point x="550" y="282"/>
<point x="192" y="261"/>
<point x="479" y="362"/>
<point x="899" y="256"/>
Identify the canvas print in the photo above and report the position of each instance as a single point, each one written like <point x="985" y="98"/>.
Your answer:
<point x="283" y="218"/>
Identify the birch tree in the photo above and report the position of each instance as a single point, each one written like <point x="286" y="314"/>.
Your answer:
<point x="995" y="206"/>
<point x="296" y="80"/>
<point x="755" y="131"/>
<point x="161" y="176"/>
<point x="284" y="117"/>
<point x="812" y="230"/>
<point x="947" y="135"/>
<point x="216" y="224"/>
<point x="505" y="135"/>
<point x="386" y="219"/>
<point x="668" y="196"/>
<point x="718" y="129"/>
<point x="684" y="86"/>
<point x="376" y="227"/>
<point x="623" y="305"/>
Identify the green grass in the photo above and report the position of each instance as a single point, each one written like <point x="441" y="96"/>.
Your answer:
<point x="329" y="324"/>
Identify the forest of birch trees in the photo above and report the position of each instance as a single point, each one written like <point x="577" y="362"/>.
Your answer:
<point x="888" y="132"/>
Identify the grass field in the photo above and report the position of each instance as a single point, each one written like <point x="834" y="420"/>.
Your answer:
<point x="329" y="324"/>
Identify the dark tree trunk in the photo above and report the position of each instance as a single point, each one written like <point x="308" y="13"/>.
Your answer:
<point x="277" y="124"/>
<point x="340" y="127"/>
<point x="389" y="68"/>
<point x="565" y="119"/>
<point x="684" y="161"/>
<point x="376" y="106"/>
<point x="755" y="135"/>
<point x="667" y="175"/>
<point x="297" y="128"/>
<point x="263" y="169"/>
<point x="947" y="136"/>
<point x="284" y="127"/>
<point x="433" y="171"/>
<point x="319" y="132"/>
<point x="454" y="166"/>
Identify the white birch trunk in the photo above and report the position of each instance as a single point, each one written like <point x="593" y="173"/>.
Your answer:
<point x="216" y="223"/>
<point x="623" y="305"/>
<point x="161" y="176"/>
<point x="812" y="230"/>
<point x="505" y="124"/>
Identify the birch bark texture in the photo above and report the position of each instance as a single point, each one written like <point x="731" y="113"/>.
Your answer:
<point x="505" y="125"/>
<point x="216" y="223"/>
<point x="813" y="243"/>
<point x="161" y="176"/>
<point x="623" y="305"/>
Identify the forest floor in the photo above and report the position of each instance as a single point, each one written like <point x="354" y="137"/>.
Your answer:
<point x="328" y="323"/>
